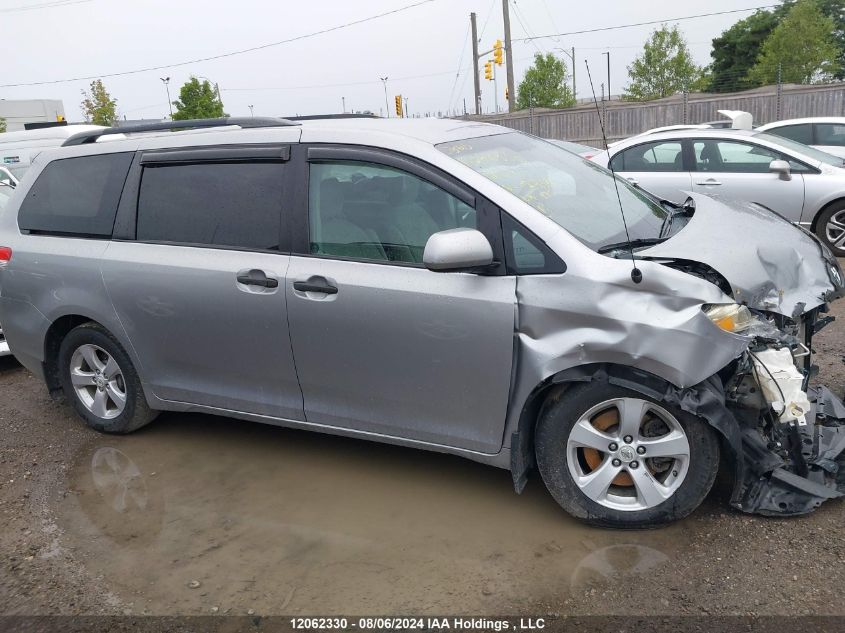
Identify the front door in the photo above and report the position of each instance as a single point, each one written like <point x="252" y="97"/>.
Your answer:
<point x="200" y="290"/>
<point x="383" y="345"/>
<point x="740" y="171"/>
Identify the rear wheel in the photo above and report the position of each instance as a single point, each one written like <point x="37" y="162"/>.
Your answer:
<point x="615" y="458"/>
<point x="830" y="227"/>
<point x="100" y="382"/>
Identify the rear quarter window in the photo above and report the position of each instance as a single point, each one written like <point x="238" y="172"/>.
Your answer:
<point x="76" y="196"/>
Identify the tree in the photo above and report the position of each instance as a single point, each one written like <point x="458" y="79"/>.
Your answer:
<point x="802" y="48"/>
<point x="545" y="85"/>
<point x="2" y="125"/>
<point x="664" y="68"/>
<point x="736" y="50"/>
<point x="835" y="10"/>
<point x="98" y="107"/>
<point x="198" y="100"/>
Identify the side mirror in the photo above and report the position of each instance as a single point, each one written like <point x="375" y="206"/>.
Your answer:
<point x="781" y="167"/>
<point x="457" y="249"/>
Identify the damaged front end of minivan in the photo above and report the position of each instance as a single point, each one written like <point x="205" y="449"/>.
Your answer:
<point x="790" y="450"/>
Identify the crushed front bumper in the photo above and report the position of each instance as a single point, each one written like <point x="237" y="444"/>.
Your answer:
<point x="813" y="472"/>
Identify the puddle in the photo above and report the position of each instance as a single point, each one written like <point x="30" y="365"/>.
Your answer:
<point x="283" y="521"/>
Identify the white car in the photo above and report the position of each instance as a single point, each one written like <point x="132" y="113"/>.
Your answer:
<point x="802" y="184"/>
<point x="824" y="133"/>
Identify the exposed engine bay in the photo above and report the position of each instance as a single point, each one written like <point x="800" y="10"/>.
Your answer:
<point x="792" y="433"/>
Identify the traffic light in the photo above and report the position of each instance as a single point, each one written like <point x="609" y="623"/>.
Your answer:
<point x="398" y="99"/>
<point x="60" y="117"/>
<point x="488" y="70"/>
<point x="498" y="51"/>
<point x="507" y="94"/>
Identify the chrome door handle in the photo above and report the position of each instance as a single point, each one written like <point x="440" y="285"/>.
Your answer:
<point x="709" y="181"/>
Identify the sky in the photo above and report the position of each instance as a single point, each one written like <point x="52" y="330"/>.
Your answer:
<point x="423" y="50"/>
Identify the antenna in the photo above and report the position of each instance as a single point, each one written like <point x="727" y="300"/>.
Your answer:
<point x="636" y="273"/>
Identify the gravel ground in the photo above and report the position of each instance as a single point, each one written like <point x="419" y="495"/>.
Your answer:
<point x="201" y="515"/>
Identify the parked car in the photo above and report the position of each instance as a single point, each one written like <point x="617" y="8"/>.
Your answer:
<point x="18" y="149"/>
<point x="445" y="285"/>
<point x="5" y="193"/>
<point x="735" y="119"/>
<point x="584" y="151"/>
<point x="823" y="133"/>
<point x="802" y="184"/>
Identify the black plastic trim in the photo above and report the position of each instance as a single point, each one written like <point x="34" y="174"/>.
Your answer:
<point x="218" y="153"/>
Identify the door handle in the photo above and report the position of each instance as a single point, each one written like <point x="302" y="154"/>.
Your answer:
<point x="306" y="286"/>
<point x="265" y="282"/>
<point x="709" y="181"/>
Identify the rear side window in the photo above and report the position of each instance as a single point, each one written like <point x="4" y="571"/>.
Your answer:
<point x="830" y="134"/>
<point x="235" y="205"/>
<point x="801" y="133"/>
<point x="76" y="196"/>
<point x="663" y="156"/>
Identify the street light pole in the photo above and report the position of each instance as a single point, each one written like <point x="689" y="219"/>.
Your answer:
<point x="166" y="81"/>
<point x="571" y="57"/>
<point x="608" y="74"/>
<point x="344" y="104"/>
<point x="386" y="103"/>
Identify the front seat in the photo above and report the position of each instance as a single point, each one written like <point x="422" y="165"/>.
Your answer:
<point x="336" y="234"/>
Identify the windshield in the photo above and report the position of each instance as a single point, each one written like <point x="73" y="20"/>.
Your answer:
<point x="795" y="146"/>
<point x="577" y="194"/>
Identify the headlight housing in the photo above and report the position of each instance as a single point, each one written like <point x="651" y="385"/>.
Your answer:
<point x="730" y="317"/>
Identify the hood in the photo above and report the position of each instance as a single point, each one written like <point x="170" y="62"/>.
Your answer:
<point x="771" y="264"/>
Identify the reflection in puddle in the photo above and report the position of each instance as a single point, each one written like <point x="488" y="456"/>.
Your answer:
<point x="196" y="512"/>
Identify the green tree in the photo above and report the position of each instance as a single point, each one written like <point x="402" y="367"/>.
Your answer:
<point x="736" y="50"/>
<point x="98" y="107"/>
<point x="198" y="100"/>
<point x="664" y="68"/>
<point x="2" y="125"/>
<point x="802" y="46"/>
<point x="835" y="10"/>
<point x="545" y="84"/>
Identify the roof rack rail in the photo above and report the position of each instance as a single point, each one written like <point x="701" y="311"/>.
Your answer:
<point x="319" y="117"/>
<point x="245" y="122"/>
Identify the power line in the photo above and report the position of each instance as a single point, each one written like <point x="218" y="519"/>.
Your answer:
<point x="44" y="5"/>
<point x="222" y="55"/>
<point x="518" y="13"/>
<point x="627" y="26"/>
<point x="460" y="63"/>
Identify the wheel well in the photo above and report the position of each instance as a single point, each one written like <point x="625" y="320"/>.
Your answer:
<point x="52" y="342"/>
<point x="551" y="389"/>
<point x="814" y="224"/>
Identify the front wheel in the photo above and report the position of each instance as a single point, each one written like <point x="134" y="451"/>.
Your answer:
<point x="830" y="228"/>
<point x="100" y="382"/>
<point x="615" y="458"/>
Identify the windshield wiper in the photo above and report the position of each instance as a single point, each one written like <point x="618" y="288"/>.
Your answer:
<point x="636" y="243"/>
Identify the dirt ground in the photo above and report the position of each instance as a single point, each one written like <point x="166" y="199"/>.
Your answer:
<point x="203" y="515"/>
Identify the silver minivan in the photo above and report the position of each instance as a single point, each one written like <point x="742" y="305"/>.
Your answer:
<point x="438" y="284"/>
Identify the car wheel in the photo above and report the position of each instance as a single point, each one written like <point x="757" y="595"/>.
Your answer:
<point x="100" y="382"/>
<point x="830" y="227"/>
<point x="615" y="458"/>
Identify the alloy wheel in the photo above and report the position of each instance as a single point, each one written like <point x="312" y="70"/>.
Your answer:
<point x="98" y="381"/>
<point x="628" y="454"/>
<point x="835" y="230"/>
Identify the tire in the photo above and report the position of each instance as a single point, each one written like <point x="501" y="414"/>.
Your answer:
<point x="640" y="491"/>
<point x="830" y="227"/>
<point x="107" y="395"/>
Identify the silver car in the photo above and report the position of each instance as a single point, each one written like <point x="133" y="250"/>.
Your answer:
<point x="804" y="185"/>
<point x="6" y="190"/>
<point x="444" y="285"/>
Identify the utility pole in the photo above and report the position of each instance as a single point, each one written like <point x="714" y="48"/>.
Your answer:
<point x="386" y="102"/>
<point x="476" y="80"/>
<point x="343" y="99"/>
<point x="405" y="113"/>
<point x="608" y="75"/>
<point x="506" y="18"/>
<point x="574" y="92"/>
